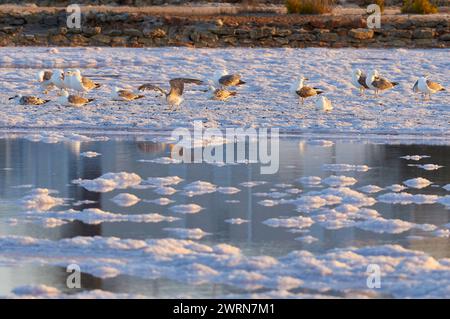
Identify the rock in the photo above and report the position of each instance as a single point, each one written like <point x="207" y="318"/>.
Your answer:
<point x="132" y="32"/>
<point x="404" y="34"/>
<point x="101" y="39"/>
<point x="91" y="31"/>
<point x="445" y="37"/>
<point x="259" y="33"/>
<point x="219" y="22"/>
<point x="327" y="36"/>
<point x="361" y="34"/>
<point x="79" y="40"/>
<point x="113" y="33"/>
<point x="155" y="33"/>
<point x="425" y="33"/>
<point x="59" y="39"/>
<point x="120" y="41"/>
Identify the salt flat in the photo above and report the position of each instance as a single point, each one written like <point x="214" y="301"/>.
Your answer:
<point x="265" y="101"/>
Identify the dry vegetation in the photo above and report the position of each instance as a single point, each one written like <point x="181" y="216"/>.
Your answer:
<point x="419" y="7"/>
<point x="309" y="6"/>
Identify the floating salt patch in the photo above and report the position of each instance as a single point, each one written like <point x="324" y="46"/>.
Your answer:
<point x="165" y="191"/>
<point x="293" y="191"/>
<point x="162" y="160"/>
<point x="125" y="199"/>
<point x="186" y="208"/>
<point x="51" y="222"/>
<point x="31" y="186"/>
<point x="407" y="198"/>
<point x="344" y="195"/>
<point x="370" y="189"/>
<point x="275" y="195"/>
<point x="268" y="203"/>
<point x="310" y="180"/>
<point x="396" y="188"/>
<point x="164" y="181"/>
<point x="345" y="167"/>
<point x="162" y="201"/>
<point x="228" y="190"/>
<point x="418" y="183"/>
<point x="307" y="239"/>
<point x="414" y="157"/>
<point x="291" y="222"/>
<point x="40" y="199"/>
<point x="90" y="154"/>
<point x="446" y="187"/>
<point x="323" y="143"/>
<point x="339" y="181"/>
<point x="109" y="182"/>
<point x="95" y="216"/>
<point x="236" y="221"/>
<point x="84" y="202"/>
<point x="187" y="233"/>
<point x="232" y="201"/>
<point x="381" y="225"/>
<point x="252" y="184"/>
<point x="199" y="188"/>
<point x="427" y="167"/>
<point x="284" y="185"/>
<point x="445" y="201"/>
<point x="442" y="233"/>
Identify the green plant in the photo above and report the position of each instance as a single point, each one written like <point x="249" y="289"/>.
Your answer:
<point x="418" y="7"/>
<point x="309" y="6"/>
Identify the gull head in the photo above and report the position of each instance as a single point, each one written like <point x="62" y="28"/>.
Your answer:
<point x="40" y="76"/>
<point x="116" y="89"/>
<point x="63" y="93"/>
<point x="357" y="72"/>
<point x="16" y="97"/>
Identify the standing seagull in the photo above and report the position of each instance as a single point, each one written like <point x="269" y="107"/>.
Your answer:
<point x="57" y="79"/>
<point x="375" y="82"/>
<point x="223" y="79"/>
<point x="305" y="91"/>
<point x="425" y="86"/>
<point x="45" y="80"/>
<point x="81" y="83"/>
<point x="75" y="100"/>
<point x="28" y="100"/>
<point x="359" y="81"/>
<point x="220" y="94"/>
<point x="125" y="95"/>
<point x="324" y="104"/>
<point x="174" y="96"/>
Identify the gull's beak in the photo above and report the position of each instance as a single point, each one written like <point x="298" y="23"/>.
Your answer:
<point x="11" y="98"/>
<point x="306" y="79"/>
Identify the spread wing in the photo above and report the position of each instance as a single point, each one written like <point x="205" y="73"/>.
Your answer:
<point x="230" y="79"/>
<point x="416" y="87"/>
<point x="151" y="87"/>
<point x="177" y="85"/>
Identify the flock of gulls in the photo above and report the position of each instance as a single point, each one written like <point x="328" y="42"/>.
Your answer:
<point x="219" y="88"/>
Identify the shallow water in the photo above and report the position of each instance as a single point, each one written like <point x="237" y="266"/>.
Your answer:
<point x="26" y="164"/>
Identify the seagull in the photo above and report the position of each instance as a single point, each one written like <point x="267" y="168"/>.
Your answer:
<point x="305" y="91"/>
<point x="75" y="100"/>
<point x="324" y="104"/>
<point x="223" y="79"/>
<point x="375" y="82"/>
<point x="220" y="94"/>
<point x="359" y="80"/>
<point x="28" y="100"/>
<point x="44" y="78"/>
<point x="81" y="83"/>
<point x="174" y="96"/>
<point x="425" y="86"/>
<point x="125" y="95"/>
<point x="57" y="79"/>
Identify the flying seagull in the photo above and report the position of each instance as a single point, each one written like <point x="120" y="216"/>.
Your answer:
<point x="427" y="87"/>
<point x="125" y="95"/>
<point x="220" y="94"/>
<point x="306" y="91"/>
<point x="359" y="80"/>
<point x="45" y="80"/>
<point x="174" y="96"/>
<point x="75" y="100"/>
<point x="28" y="100"/>
<point x="223" y="79"/>
<point x="375" y="82"/>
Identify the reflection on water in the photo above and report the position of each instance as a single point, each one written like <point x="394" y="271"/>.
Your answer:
<point x="54" y="166"/>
